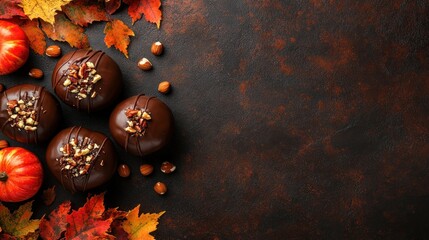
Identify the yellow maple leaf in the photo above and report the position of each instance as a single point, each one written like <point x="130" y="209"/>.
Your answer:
<point x="43" y="9"/>
<point x="139" y="227"/>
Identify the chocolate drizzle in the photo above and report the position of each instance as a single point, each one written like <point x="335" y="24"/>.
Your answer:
<point x="102" y="166"/>
<point x="35" y="117"/>
<point x="157" y="133"/>
<point x="106" y="91"/>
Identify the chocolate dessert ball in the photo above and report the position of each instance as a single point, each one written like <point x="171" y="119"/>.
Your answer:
<point x="141" y="124"/>
<point x="29" y="113"/>
<point x="87" y="80"/>
<point x="81" y="159"/>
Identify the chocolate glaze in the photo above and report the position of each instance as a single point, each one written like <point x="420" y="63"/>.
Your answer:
<point x="102" y="168"/>
<point x="158" y="132"/>
<point x="108" y="88"/>
<point x="48" y="114"/>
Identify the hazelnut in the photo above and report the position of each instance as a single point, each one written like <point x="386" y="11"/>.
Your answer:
<point x="144" y="64"/>
<point x="146" y="169"/>
<point x="3" y="144"/>
<point x="53" y="51"/>
<point x="157" y="48"/>
<point x="167" y="167"/>
<point x="160" y="188"/>
<point x="35" y="73"/>
<point x="124" y="170"/>
<point x="164" y="87"/>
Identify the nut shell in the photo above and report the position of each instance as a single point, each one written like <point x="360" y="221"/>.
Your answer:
<point x="144" y="64"/>
<point x="53" y="51"/>
<point x="160" y="188"/>
<point x="164" y="87"/>
<point x="157" y="48"/>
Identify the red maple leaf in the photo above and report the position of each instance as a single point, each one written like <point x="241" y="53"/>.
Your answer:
<point x="87" y="222"/>
<point x="56" y="225"/>
<point x="10" y="9"/>
<point x="150" y="9"/>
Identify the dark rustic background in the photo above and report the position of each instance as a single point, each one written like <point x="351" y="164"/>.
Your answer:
<point x="294" y="119"/>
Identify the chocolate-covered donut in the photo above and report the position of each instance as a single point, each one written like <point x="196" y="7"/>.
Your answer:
<point x="81" y="159"/>
<point x="29" y="113"/>
<point x="141" y="124"/>
<point x="87" y="80"/>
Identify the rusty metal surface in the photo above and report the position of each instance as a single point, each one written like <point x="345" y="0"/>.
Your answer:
<point x="295" y="119"/>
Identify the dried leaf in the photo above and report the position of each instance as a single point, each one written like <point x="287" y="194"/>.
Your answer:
<point x="18" y="224"/>
<point x="35" y="35"/>
<point x="118" y="35"/>
<point x="116" y="227"/>
<point x="43" y="9"/>
<point x="139" y="227"/>
<point x="57" y="223"/>
<point x="150" y="9"/>
<point x="65" y="31"/>
<point x="49" y="196"/>
<point x="87" y="221"/>
<point x="112" y="5"/>
<point x="83" y="12"/>
<point x="10" y="9"/>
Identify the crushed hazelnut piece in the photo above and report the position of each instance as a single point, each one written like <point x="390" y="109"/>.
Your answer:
<point x="80" y="80"/>
<point x="22" y="113"/>
<point x="78" y="156"/>
<point x="137" y="121"/>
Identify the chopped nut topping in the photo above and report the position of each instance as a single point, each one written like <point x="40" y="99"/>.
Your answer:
<point x="22" y="113"/>
<point x="137" y="121"/>
<point x="78" y="156"/>
<point x="81" y="79"/>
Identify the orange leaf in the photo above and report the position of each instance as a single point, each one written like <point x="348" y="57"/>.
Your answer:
<point x="65" y="31"/>
<point x="56" y="225"/>
<point x="150" y="9"/>
<point x="10" y="8"/>
<point x="87" y="221"/>
<point x="112" y="5"/>
<point x="35" y="35"/>
<point x="83" y="12"/>
<point x="139" y="227"/>
<point x="43" y="9"/>
<point x="118" y="35"/>
<point x="18" y="224"/>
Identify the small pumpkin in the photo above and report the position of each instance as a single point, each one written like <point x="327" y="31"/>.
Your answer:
<point x="21" y="174"/>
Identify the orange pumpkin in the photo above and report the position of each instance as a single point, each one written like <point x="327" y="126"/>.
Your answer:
<point x="21" y="174"/>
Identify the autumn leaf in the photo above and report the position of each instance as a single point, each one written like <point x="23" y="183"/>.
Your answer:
<point x="49" y="196"/>
<point x="35" y="35"/>
<point x="87" y="221"/>
<point x="57" y="223"/>
<point x="150" y="9"/>
<point x="83" y="12"/>
<point x="18" y="224"/>
<point x="139" y="227"/>
<point x="112" y="5"/>
<point x="65" y="31"/>
<point x="118" y="35"/>
<point x="43" y="9"/>
<point x="10" y="9"/>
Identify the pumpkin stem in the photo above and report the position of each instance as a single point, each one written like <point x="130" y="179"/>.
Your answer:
<point x="3" y="176"/>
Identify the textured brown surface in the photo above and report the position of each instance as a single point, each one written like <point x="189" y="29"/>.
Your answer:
<point x="295" y="119"/>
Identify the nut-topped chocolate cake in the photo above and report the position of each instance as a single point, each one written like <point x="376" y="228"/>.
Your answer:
<point x="81" y="159"/>
<point x="87" y="80"/>
<point x="141" y="124"/>
<point x="29" y="113"/>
